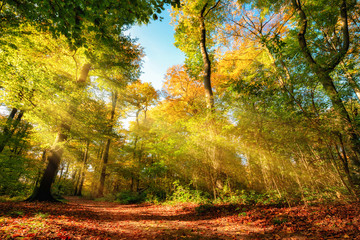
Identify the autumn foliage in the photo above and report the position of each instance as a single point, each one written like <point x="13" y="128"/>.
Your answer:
<point x="255" y="135"/>
<point x="102" y="220"/>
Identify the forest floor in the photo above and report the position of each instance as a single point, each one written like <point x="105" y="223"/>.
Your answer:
<point x="85" y="219"/>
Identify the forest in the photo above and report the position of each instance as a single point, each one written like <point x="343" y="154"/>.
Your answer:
<point x="263" y="112"/>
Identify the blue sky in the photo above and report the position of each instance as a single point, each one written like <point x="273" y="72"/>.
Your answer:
<point x="157" y="39"/>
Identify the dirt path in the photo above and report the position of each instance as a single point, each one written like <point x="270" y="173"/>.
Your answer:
<point x="84" y="219"/>
<point x="160" y="222"/>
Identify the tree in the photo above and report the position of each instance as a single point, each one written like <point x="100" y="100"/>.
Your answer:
<point x="105" y="155"/>
<point x="74" y="19"/>
<point x="195" y="21"/>
<point x="38" y="67"/>
<point x="138" y="97"/>
<point x="127" y="58"/>
<point x="43" y="193"/>
<point x="270" y="30"/>
<point x="183" y="93"/>
<point x="323" y="69"/>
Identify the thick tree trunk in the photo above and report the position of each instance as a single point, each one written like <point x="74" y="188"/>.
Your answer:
<point x="105" y="157"/>
<point x="43" y="193"/>
<point x="340" y="109"/>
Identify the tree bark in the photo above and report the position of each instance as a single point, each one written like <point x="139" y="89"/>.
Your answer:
<point x="207" y="63"/>
<point x="43" y="193"/>
<point x="105" y="157"/>
<point x="78" y="191"/>
<point x="323" y="73"/>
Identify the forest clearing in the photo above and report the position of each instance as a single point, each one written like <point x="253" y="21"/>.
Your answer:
<point x="179" y="119"/>
<point x="85" y="219"/>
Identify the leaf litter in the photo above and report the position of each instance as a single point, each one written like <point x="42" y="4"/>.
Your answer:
<point x="86" y="219"/>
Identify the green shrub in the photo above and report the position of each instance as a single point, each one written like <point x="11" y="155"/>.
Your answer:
<point x="128" y="197"/>
<point x="155" y="196"/>
<point x="185" y="194"/>
<point x="63" y="188"/>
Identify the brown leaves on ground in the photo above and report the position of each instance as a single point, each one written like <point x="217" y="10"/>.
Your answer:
<point x="84" y="219"/>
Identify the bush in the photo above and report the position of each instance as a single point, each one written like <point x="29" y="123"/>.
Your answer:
<point x="128" y="197"/>
<point x="155" y="196"/>
<point x="184" y="194"/>
<point x="63" y="188"/>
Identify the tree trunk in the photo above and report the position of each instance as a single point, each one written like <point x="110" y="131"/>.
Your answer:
<point x="207" y="64"/>
<point x="82" y="175"/>
<point x="340" y="109"/>
<point x="10" y="127"/>
<point x="105" y="157"/>
<point x="18" y="146"/>
<point x="43" y="193"/>
<point x="105" y="160"/>
<point x="323" y="73"/>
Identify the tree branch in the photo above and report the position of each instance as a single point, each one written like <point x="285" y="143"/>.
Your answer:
<point x="301" y="35"/>
<point x="203" y="10"/>
<point x="212" y="8"/>
<point x="346" y="38"/>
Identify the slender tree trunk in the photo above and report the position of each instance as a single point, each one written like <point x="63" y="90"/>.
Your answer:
<point x="77" y="181"/>
<point x="43" y="193"/>
<point x="207" y="63"/>
<point x="18" y="145"/>
<point x="105" y="157"/>
<point x="209" y="96"/>
<point x="137" y="184"/>
<point x="94" y="184"/>
<point x="61" y="173"/>
<point x="10" y="127"/>
<point x="132" y="184"/>
<point x="82" y="176"/>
